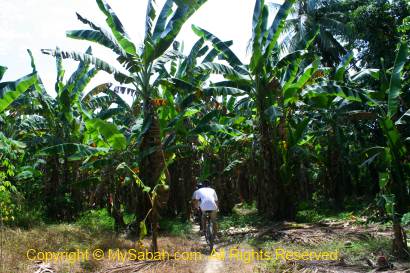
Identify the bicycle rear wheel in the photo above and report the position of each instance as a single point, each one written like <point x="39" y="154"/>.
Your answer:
<point x="210" y="233"/>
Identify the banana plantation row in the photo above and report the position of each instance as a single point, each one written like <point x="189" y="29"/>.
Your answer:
<point x="318" y="114"/>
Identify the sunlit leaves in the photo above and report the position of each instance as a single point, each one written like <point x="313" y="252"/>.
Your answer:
<point x="116" y="27"/>
<point x="10" y="91"/>
<point x="2" y="71"/>
<point x="343" y="65"/>
<point x="277" y="26"/>
<point x="102" y="131"/>
<point x="73" y="151"/>
<point x="98" y="63"/>
<point x="221" y="46"/>
<point x="395" y="80"/>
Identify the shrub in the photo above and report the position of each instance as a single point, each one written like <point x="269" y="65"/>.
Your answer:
<point x="96" y="220"/>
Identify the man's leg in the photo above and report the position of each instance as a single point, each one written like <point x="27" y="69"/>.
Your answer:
<point x="203" y="219"/>
<point x="199" y="218"/>
<point x="214" y="223"/>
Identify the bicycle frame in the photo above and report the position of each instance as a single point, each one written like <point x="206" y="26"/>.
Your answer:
<point x="209" y="231"/>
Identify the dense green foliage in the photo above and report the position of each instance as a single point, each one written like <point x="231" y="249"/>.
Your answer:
<point x="319" y="115"/>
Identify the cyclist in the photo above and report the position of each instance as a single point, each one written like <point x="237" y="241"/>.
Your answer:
<point x="206" y="199"/>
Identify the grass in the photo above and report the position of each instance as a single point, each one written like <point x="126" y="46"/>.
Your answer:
<point x="361" y="211"/>
<point x="175" y="226"/>
<point x="101" y="221"/>
<point x="73" y="237"/>
<point x="243" y="215"/>
<point x="239" y="221"/>
<point x="354" y="252"/>
<point x="96" y="221"/>
<point x="315" y="215"/>
<point x="93" y="229"/>
<point x="61" y="237"/>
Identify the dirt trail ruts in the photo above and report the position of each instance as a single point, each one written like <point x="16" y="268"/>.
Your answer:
<point x="211" y="265"/>
<point x="221" y="261"/>
<point x="214" y="266"/>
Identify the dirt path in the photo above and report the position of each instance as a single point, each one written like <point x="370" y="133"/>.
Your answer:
<point x="211" y="265"/>
<point x="221" y="261"/>
<point x="214" y="266"/>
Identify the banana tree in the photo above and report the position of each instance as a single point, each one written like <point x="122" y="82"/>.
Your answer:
<point x="269" y="83"/>
<point x="188" y="106"/>
<point x="58" y="130"/>
<point x="331" y="103"/>
<point x="385" y="108"/>
<point x="392" y="116"/>
<point x="142" y="65"/>
<point x="85" y="134"/>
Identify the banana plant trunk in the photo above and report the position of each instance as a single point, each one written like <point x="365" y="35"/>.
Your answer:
<point x="116" y="209"/>
<point x="244" y="182"/>
<point x="272" y="199"/>
<point x="400" y="248"/>
<point x="51" y="187"/>
<point x="153" y="161"/>
<point x="152" y="164"/>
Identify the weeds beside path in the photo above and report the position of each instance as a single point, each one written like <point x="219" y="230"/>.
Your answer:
<point x="357" y="244"/>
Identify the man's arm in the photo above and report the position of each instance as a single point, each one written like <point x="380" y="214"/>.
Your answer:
<point x="216" y="199"/>
<point x="195" y="201"/>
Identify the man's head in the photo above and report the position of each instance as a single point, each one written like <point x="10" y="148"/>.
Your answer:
<point x="206" y="183"/>
<point x="202" y="184"/>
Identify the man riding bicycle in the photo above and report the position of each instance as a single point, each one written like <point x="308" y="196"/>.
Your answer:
<point x="206" y="199"/>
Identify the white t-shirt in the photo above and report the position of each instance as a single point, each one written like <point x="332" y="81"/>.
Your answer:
<point x="207" y="197"/>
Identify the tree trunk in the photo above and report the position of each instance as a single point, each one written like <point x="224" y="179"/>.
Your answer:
<point x="152" y="165"/>
<point x="152" y="161"/>
<point x="173" y="205"/>
<point x="244" y="184"/>
<point x="51" y="188"/>
<point x="273" y="199"/>
<point x="400" y="248"/>
<point x="116" y="208"/>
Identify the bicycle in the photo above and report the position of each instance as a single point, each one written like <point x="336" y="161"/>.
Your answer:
<point x="209" y="230"/>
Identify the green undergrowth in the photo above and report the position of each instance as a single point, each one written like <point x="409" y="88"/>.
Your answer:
<point x="315" y="216"/>
<point x="99" y="220"/>
<point x="352" y="252"/>
<point x="27" y="219"/>
<point x="175" y="226"/>
<point x="321" y="211"/>
<point x="242" y="215"/>
<point x="96" y="220"/>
